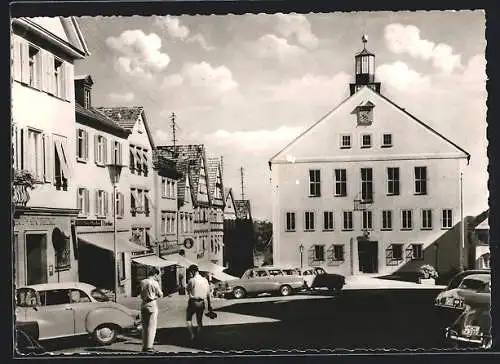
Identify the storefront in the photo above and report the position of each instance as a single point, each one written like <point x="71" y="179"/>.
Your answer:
<point x="142" y="266"/>
<point x="96" y="249"/>
<point x="44" y="245"/>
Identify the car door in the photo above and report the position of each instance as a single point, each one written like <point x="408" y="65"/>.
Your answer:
<point x="81" y="305"/>
<point x="263" y="282"/>
<point x="54" y="315"/>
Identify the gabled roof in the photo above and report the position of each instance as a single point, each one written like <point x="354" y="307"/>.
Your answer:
<point x="86" y="78"/>
<point x="376" y="94"/>
<point x="93" y="118"/>
<point x="188" y="163"/>
<point x="213" y="170"/>
<point x="127" y="117"/>
<point x="242" y="209"/>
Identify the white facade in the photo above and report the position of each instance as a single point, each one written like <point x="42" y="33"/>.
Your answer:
<point x="412" y="145"/>
<point x="43" y="120"/>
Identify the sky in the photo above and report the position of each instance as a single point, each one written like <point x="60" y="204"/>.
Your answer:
<point x="246" y="85"/>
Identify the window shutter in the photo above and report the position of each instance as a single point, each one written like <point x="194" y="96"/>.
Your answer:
<point x="106" y="200"/>
<point x="122" y="204"/>
<point x="104" y="150"/>
<point x="48" y="159"/>
<point x="96" y="149"/>
<point x="77" y="141"/>
<point x="86" y="145"/>
<point x="42" y="60"/>
<point x="62" y="81"/>
<point x="68" y="81"/>
<point x="25" y="69"/>
<point x="97" y="202"/>
<point x="87" y="201"/>
<point x="120" y="153"/>
<point x="50" y="73"/>
<point x="16" y="58"/>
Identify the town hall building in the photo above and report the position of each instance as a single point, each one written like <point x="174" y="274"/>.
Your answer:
<point x="367" y="188"/>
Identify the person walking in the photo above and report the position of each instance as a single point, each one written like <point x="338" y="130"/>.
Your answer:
<point x="198" y="290"/>
<point x="150" y="292"/>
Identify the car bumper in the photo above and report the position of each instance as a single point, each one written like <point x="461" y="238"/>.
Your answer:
<point x="453" y="335"/>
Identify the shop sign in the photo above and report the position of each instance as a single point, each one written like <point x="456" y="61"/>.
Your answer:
<point x="88" y="222"/>
<point x="36" y="221"/>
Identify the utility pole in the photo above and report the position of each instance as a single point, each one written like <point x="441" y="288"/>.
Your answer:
<point x="462" y="225"/>
<point x="173" y="125"/>
<point x="242" y="183"/>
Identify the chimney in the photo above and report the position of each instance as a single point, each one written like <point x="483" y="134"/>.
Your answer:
<point x="83" y="90"/>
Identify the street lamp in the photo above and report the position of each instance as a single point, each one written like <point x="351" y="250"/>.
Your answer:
<point x="301" y="249"/>
<point x="114" y="174"/>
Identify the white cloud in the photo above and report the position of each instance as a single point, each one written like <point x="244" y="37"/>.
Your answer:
<point x="311" y="89"/>
<point x="140" y="54"/>
<point x="176" y="30"/>
<point x="406" y="39"/>
<point x="161" y="136"/>
<point x="475" y="71"/>
<point x="116" y="97"/>
<point x="399" y="76"/>
<point x="296" y="25"/>
<point x="272" y="46"/>
<point x="213" y="81"/>
<point x="260" y="141"/>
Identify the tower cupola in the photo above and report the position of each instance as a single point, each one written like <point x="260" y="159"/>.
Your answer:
<point x="364" y="67"/>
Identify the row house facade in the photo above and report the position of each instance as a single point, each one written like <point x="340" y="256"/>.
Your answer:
<point x="43" y="53"/>
<point x="355" y="195"/>
<point x="99" y="142"/>
<point x="138" y="180"/>
<point x="216" y="214"/>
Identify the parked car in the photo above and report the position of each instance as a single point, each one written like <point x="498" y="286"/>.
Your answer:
<point x="472" y="327"/>
<point x="72" y="309"/>
<point x="264" y="280"/>
<point x="471" y="287"/>
<point x="317" y="277"/>
<point x="26" y="338"/>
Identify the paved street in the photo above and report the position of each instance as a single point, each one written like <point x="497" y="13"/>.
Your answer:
<point x="364" y="315"/>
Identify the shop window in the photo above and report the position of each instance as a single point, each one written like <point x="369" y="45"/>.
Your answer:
<point x="62" y="250"/>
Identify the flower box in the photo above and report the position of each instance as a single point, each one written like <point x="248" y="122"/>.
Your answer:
<point x="427" y="281"/>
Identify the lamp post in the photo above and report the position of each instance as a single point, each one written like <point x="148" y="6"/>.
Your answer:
<point x="301" y="249"/>
<point x="114" y="174"/>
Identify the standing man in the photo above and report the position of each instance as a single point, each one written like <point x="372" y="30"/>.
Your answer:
<point x="150" y="292"/>
<point x="198" y="290"/>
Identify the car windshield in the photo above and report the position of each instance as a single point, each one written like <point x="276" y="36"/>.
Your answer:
<point x="291" y="272"/>
<point x="473" y="284"/>
<point x="99" y="295"/>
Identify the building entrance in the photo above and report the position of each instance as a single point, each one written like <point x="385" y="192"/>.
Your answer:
<point x="36" y="259"/>
<point x="368" y="256"/>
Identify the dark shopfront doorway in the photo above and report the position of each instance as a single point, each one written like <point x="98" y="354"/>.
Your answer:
<point x="36" y="259"/>
<point x="368" y="256"/>
<point x="168" y="278"/>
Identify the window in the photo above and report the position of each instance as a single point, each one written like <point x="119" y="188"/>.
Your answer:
<point x="420" y="180"/>
<point x="417" y="251"/>
<point x="386" y="220"/>
<point x="101" y="203"/>
<point x="58" y="78"/>
<point x="78" y="296"/>
<point x="164" y="187"/>
<point x="406" y="220"/>
<point x="314" y="183"/>
<point x="120" y="205"/>
<point x="55" y="297"/>
<point x="290" y="221"/>
<point x="366" y="141"/>
<point x="447" y="219"/>
<point x="145" y="162"/>
<point x="394" y="254"/>
<point x="83" y="203"/>
<point x="309" y="221"/>
<point x="87" y="98"/>
<point x="366" y="184"/>
<point x="138" y="160"/>
<point x="347" y="220"/>
<point x="34" y="153"/>
<point x="345" y="141"/>
<point x="33" y="62"/>
<point x="100" y="150"/>
<point x="340" y="179"/>
<point x="171" y="190"/>
<point x="426" y="219"/>
<point x="163" y="223"/>
<point x="328" y="220"/>
<point x="367" y="222"/>
<point x="338" y="253"/>
<point x="82" y="147"/>
<point x="117" y="153"/>
<point x="393" y="181"/>
<point x="318" y="253"/>
<point x="386" y="140"/>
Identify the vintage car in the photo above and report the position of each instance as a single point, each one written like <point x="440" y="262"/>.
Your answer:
<point x="71" y="309"/>
<point x="471" y="287"/>
<point x="472" y="327"/>
<point x="317" y="277"/>
<point x="264" y="280"/>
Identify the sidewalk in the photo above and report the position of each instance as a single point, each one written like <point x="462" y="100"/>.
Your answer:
<point x="372" y="282"/>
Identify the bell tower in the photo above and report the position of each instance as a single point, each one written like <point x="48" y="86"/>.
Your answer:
<point x="364" y="66"/>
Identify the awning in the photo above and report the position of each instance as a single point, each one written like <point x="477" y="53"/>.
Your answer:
<point x="180" y="260"/>
<point x="210" y="267"/>
<point x="153" y="261"/>
<point x="105" y="241"/>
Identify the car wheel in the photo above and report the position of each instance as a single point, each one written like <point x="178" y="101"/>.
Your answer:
<point x="285" y="290"/>
<point x="105" y="334"/>
<point x="239" y="292"/>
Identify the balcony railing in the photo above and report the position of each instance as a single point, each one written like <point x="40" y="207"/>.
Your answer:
<point x="21" y="195"/>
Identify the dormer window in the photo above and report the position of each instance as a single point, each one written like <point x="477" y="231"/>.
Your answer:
<point x="87" y="98"/>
